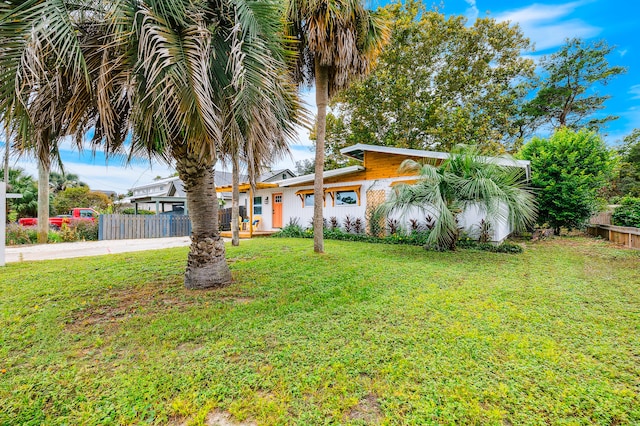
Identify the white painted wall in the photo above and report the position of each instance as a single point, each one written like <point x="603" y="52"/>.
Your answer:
<point x="292" y="208"/>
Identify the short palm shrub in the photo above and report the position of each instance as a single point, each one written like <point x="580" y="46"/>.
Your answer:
<point x="464" y="180"/>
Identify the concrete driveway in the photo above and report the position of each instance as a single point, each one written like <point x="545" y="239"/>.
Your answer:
<point x="90" y="248"/>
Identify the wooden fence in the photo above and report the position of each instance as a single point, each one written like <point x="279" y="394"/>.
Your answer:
<point x="224" y="217"/>
<point x="126" y="226"/>
<point x="623" y="235"/>
<point x="602" y="218"/>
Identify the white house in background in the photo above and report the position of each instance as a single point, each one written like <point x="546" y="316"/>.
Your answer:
<point x="354" y="191"/>
<point x="168" y="195"/>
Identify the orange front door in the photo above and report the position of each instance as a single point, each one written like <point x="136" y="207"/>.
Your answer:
<point x="277" y="211"/>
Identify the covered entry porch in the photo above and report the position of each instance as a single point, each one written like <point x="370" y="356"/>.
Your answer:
<point x="253" y="225"/>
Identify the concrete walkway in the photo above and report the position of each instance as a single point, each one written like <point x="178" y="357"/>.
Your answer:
<point x="90" y="248"/>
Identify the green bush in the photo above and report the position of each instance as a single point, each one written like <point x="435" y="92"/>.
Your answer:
<point x="501" y="248"/>
<point x="131" y="210"/>
<point x="292" y="230"/>
<point x="415" y="238"/>
<point x="628" y="214"/>
<point x="16" y="235"/>
<point x="86" y="230"/>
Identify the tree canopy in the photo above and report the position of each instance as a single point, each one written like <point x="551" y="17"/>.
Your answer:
<point x="628" y="180"/>
<point x="437" y="84"/>
<point x="566" y="93"/>
<point x="79" y="196"/>
<point x="568" y="171"/>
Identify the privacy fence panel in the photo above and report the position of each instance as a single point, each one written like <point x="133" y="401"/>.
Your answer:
<point x="126" y="226"/>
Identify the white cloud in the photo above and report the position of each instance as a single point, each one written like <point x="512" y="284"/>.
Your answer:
<point x="472" y="11"/>
<point x="549" y="25"/>
<point x="120" y="177"/>
<point x="635" y="91"/>
<point x="114" y="177"/>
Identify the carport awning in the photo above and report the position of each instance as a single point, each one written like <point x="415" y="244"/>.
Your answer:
<point x="164" y="200"/>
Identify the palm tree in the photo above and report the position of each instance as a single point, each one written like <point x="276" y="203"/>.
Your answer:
<point x="463" y="180"/>
<point x="42" y="83"/>
<point x="257" y="139"/>
<point x="189" y="62"/>
<point x="162" y="71"/>
<point x="60" y="181"/>
<point x="338" y="40"/>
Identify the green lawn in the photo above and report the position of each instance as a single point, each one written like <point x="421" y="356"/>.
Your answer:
<point x="364" y="334"/>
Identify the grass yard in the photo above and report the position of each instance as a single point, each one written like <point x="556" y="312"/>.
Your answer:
<point x="365" y="334"/>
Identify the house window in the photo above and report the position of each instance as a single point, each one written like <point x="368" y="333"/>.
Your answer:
<point x="308" y="200"/>
<point x="257" y="205"/>
<point x="345" y="195"/>
<point x="284" y="176"/>
<point x="346" y="198"/>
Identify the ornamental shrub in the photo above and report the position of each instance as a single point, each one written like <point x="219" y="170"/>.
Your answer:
<point x="628" y="214"/>
<point x="567" y="171"/>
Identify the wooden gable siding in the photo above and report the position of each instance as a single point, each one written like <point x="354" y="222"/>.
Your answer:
<point x="378" y="165"/>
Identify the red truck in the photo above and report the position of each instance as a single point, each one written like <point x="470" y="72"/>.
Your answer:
<point x="57" y="221"/>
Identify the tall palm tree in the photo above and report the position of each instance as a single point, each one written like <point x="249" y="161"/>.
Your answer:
<point x="186" y="62"/>
<point x="256" y="139"/>
<point x="161" y="71"/>
<point x="464" y="179"/>
<point x="338" y="40"/>
<point x="41" y="68"/>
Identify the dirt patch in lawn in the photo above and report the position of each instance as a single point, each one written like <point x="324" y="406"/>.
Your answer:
<point x="368" y="410"/>
<point x="222" y="418"/>
<point x="119" y="305"/>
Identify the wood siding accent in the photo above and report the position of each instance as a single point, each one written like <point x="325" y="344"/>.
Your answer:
<point x="377" y="165"/>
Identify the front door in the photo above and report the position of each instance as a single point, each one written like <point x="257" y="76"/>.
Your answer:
<point x="277" y="211"/>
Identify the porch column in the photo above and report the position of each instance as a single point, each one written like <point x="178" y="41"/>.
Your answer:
<point x="250" y="212"/>
<point x="157" y="207"/>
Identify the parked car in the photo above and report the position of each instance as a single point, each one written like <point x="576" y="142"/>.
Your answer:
<point x="76" y="214"/>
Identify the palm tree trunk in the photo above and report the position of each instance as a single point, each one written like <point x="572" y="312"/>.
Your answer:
<point x="322" y="99"/>
<point x="206" y="263"/>
<point x="235" y="200"/>
<point x="43" y="201"/>
<point x="6" y="160"/>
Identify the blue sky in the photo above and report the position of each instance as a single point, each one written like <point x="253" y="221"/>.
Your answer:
<point x="546" y="23"/>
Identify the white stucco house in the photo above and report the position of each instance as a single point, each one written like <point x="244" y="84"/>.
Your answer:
<point x="354" y="190"/>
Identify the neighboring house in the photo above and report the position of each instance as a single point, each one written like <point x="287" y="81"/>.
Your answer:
<point x="111" y="194"/>
<point x="354" y="191"/>
<point x="160" y="196"/>
<point x="168" y="195"/>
